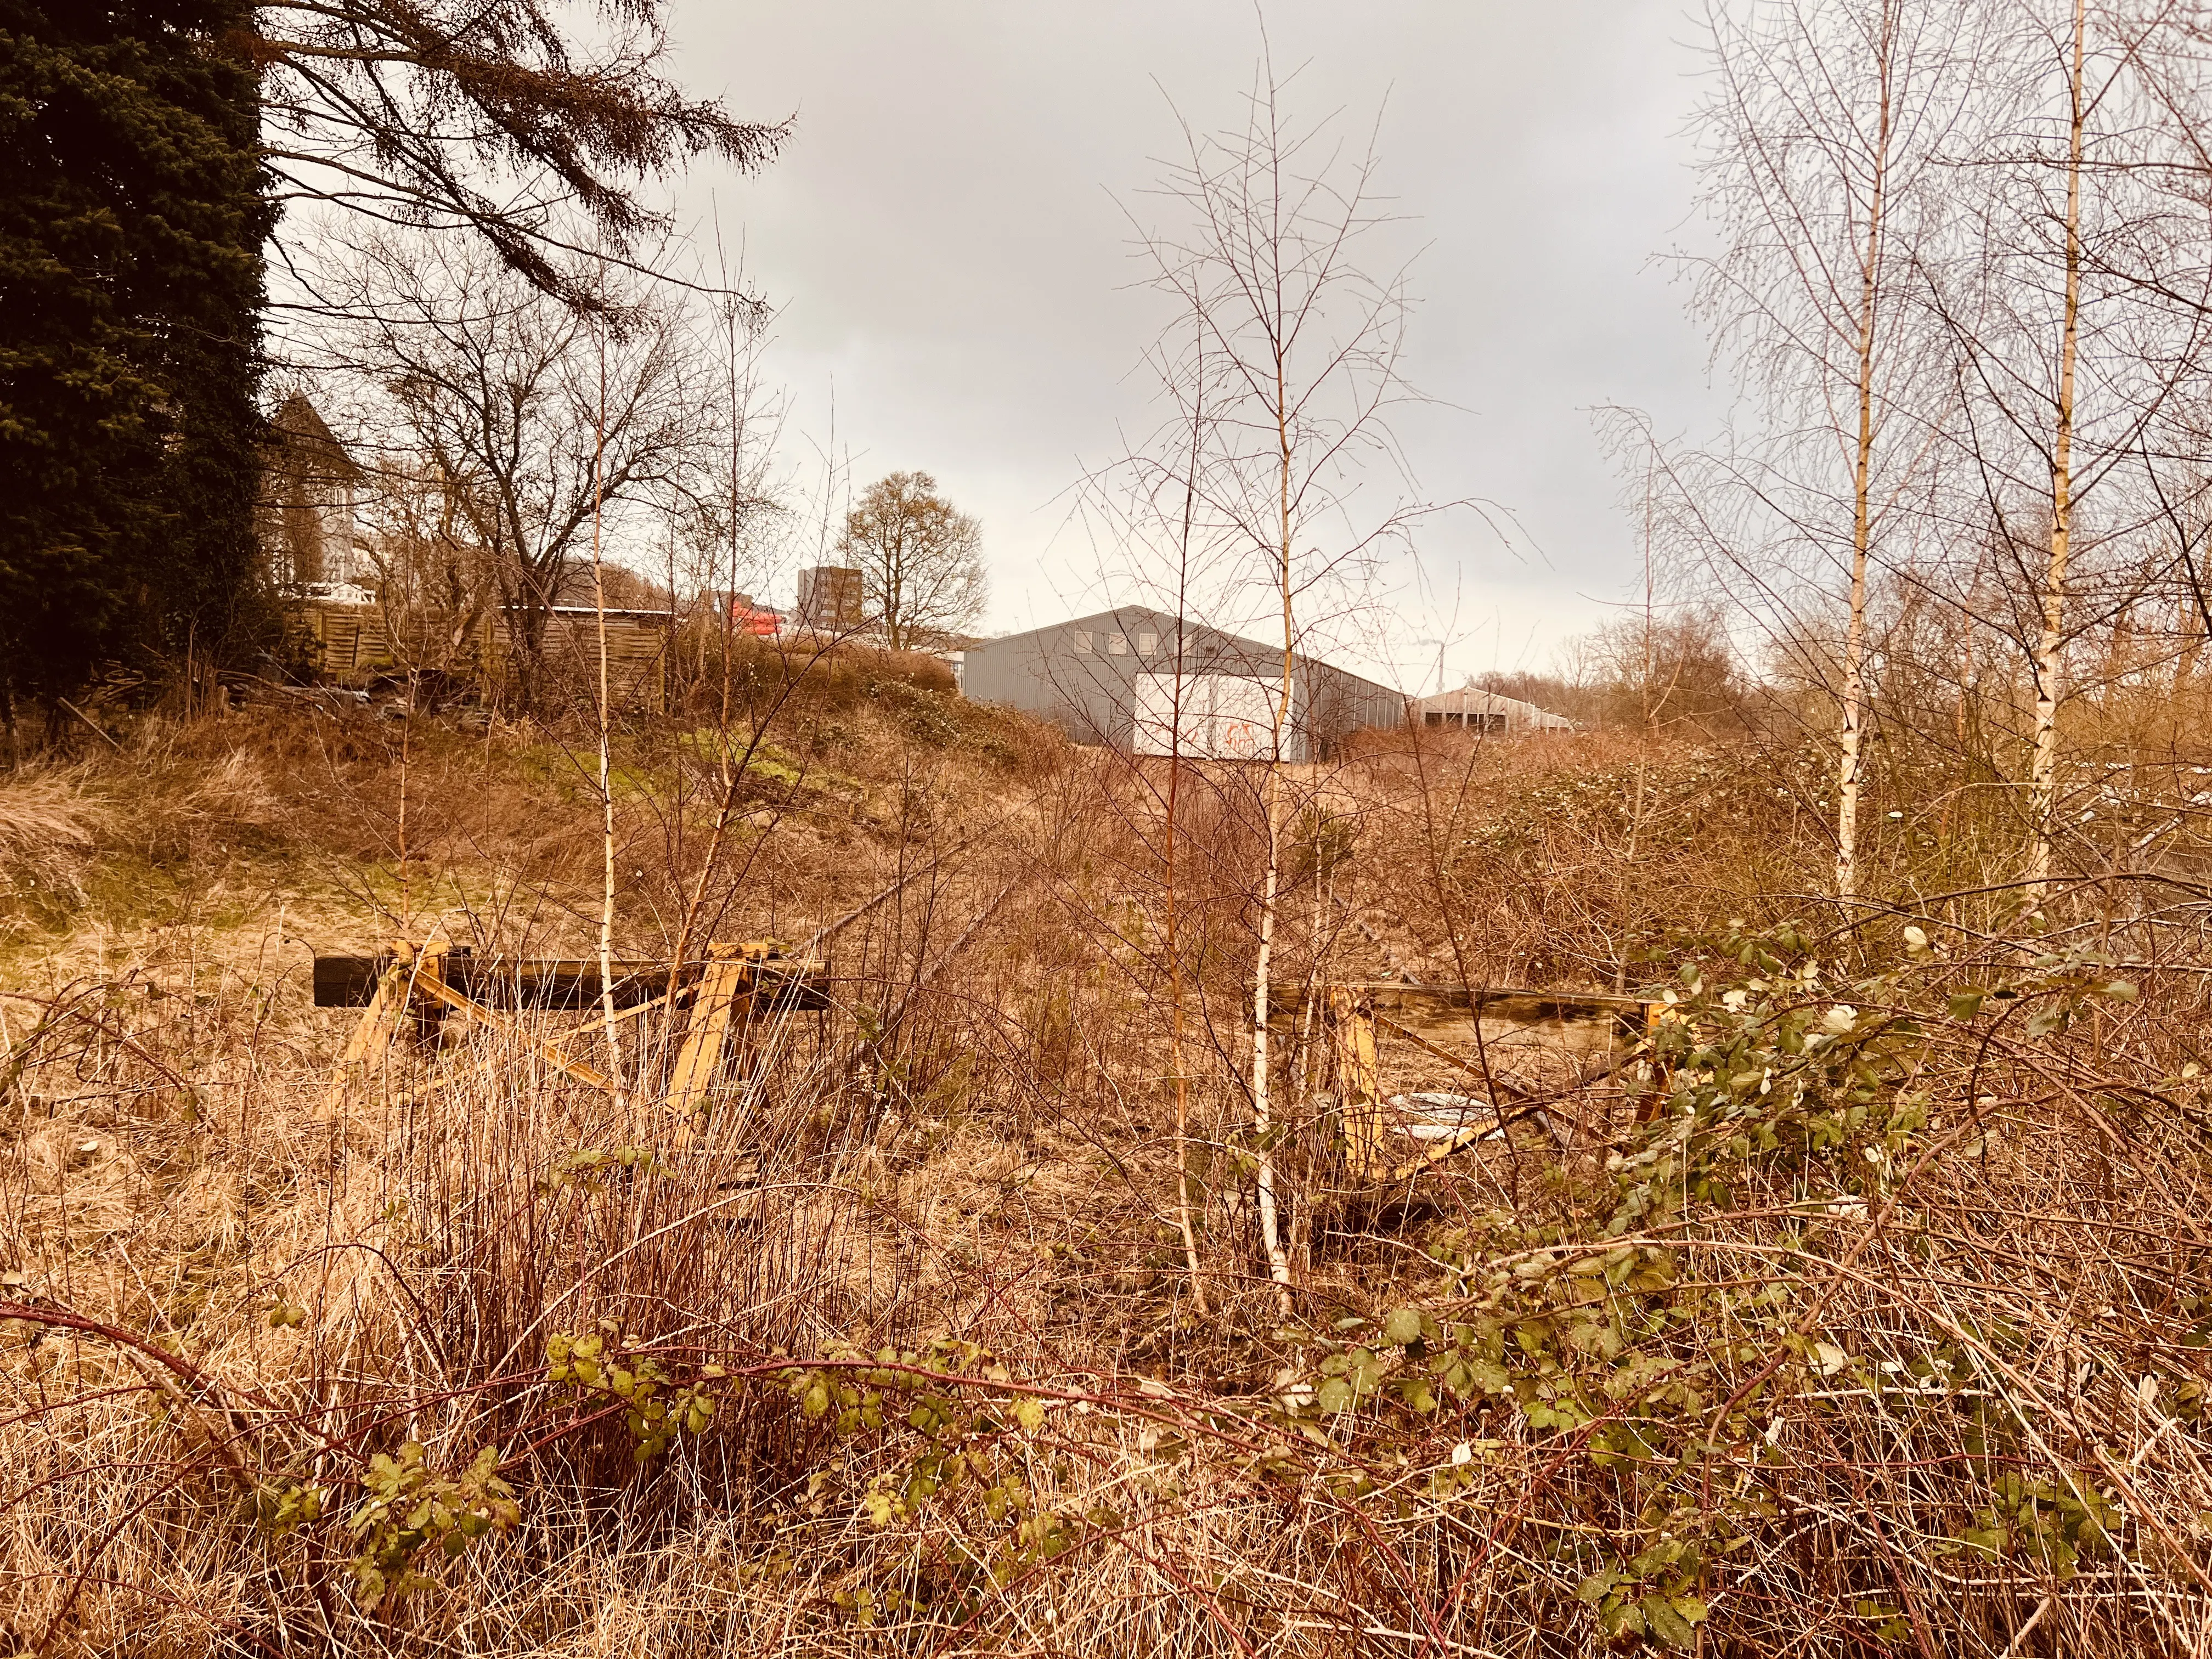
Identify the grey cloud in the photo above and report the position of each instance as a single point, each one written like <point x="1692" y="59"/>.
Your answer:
<point x="947" y="237"/>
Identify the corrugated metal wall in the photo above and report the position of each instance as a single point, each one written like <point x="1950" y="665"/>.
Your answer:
<point x="1085" y="674"/>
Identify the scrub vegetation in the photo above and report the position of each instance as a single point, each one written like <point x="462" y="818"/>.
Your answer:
<point x="1067" y="1282"/>
<point x="1856" y="1313"/>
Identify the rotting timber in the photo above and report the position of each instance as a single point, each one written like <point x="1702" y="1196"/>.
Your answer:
<point x="1487" y="1035"/>
<point x="707" y="1001"/>
<point x="568" y="985"/>
<point x="724" y="992"/>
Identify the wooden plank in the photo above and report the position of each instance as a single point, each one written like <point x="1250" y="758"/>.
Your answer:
<point x="1351" y="1027"/>
<point x="371" y="1041"/>
<point x="1574" y="1022"/>
<point x="434" y="980"/>
<point x="1511" y="1030"/>
<point x="1506" y="1020"/>
<point x="591" y="1026"/>
<point x="429" y="1008"/>
<point x="1488" y="1079"/>
<point x="1500" y="1001"/>
<point x="349" y="981"/>
<point x="558" y="1044"/>
<point x="729" y="982"/>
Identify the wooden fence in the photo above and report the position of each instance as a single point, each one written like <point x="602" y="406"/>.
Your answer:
<point x="354" y="642"/>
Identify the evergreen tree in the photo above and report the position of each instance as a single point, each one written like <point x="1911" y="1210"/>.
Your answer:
<point x="144" y="147"/>
<point x="132" y="216"/>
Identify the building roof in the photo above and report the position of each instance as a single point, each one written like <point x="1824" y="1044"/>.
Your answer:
<point x="298" y="424"/>
<point x="1474" y="700"/>
<point x="1166" y="623"/>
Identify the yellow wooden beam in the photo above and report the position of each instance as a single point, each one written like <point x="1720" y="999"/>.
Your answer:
<point x="727" y="982"/>
<point x="380" y="1023"/>
<point x="1350" y="1022"/>
<point x="550" y="1053"/>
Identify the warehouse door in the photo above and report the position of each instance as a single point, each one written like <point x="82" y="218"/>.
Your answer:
<point x="1222" y="717"/>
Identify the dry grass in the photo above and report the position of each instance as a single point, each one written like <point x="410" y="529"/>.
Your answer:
<point x="1945" y="1399"/>
<point x="48" y="825"/>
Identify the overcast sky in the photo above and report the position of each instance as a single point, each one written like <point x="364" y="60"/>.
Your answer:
<point x="947" y="242"/>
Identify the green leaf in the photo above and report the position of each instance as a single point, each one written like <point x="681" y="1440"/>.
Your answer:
<point x="1404" y="1326"/>
<point x="1489" y="1376"/>
<point x="1335" y="1395"/>
<point x="1663" y="1622"/>
<point x="1988" y="1542"/>
<point x="1030" y="1413"/>
<point x="1965" y="1005"/>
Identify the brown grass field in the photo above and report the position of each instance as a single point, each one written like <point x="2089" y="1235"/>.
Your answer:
<point x="1864" y="1311"/>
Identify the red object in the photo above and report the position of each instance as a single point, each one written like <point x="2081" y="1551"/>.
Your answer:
<point x="751" y="619"/>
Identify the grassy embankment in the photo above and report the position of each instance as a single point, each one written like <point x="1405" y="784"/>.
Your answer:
<point x="1883" y="1330"/>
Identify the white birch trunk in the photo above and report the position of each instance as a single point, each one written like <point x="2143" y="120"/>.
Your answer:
<point x="1271" y="1230"/>
<point x="1851" y="771"/>
<point x="607" y="768"/>
<point x="2042" y="776"/>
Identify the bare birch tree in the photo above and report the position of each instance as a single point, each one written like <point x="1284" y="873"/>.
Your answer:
<point x="2043" y="777"/>
<point x="2078" y="329"/>
<point x="1824" y="144"/>
<point x="1282" y="397"/>
<point x="603" y="706"/>
<point x="1147" y="507"/>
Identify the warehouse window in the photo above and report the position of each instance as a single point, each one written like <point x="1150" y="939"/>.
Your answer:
<point x="1083" y="640"/>
<point x="1117" y="645"/>
<point x="1147" y="643"/>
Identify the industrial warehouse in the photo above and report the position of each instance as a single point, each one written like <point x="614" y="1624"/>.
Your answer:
<point x="1153" y="683"/>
